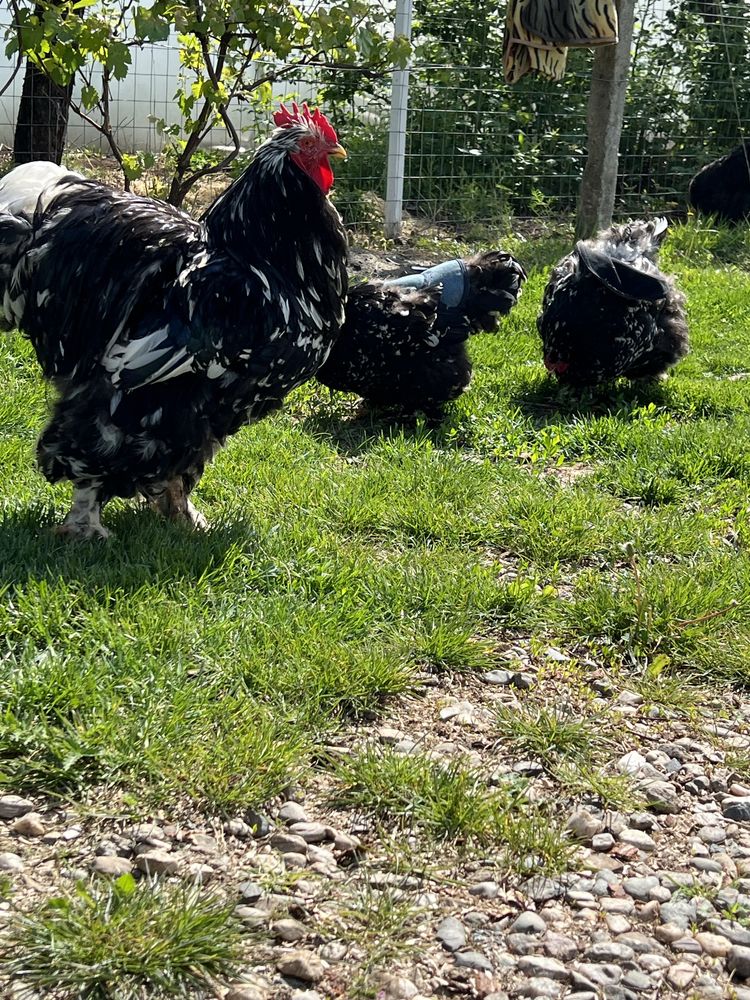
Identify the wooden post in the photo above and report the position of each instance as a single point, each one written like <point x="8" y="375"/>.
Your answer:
<point x="609" y="82"/>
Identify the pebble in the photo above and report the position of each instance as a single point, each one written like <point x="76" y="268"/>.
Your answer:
<point x="712" y="834"/>
<point x="609" y="951"/>
<point x="617" y="924"/>
<point x="637" y="838"/>
<point x="538" y="986"/>
<point x="13" y="805"/>
<point x="681" y="912"/>
<point x="333" y="951"/>
<point x="588" y="974"/>
<point x="485" y="890"/>
<point x="451" y="934"/>
<point x="560" y="946"/>
<point x="243" y="992"/>
<point x="736" y="808"/>
<point x="30" y="824"/>
<point x="10" y="862"/>
<point x="250" y="892"/>
<point x="398" y="988"/>
<point x="680" y="975"/>
<point x="306" y="995"/>
<point x="301" y="964"/>
<point x="636" y="980"/>
<point x="539" y="965"/>
<point x="653" y="963"/>
<point x="603" y="842"/>
<point x="640" y="888"/>
<point x="292" y="812"/>
<point x="661" y="796"/>
<point x="288" y="843"/>
<point x="473" y="960"/>
<point x="114" y="866"/>
<point x="312" y="833"/>
<point x="541" y="888"/>
<point x="288" y="930"/>
<point x="158" y="863"/>
<point x="713" y="944"/>
<point x="294" y="860"/>
<point x="203" y="843"/>
<point x="583" y="825"/>
<point x="738" y="961"/>
<point x="528" y="922"/>
<point x="251" y="915"/>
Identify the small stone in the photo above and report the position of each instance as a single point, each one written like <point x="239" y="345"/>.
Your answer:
<point x="245" y="992"/>
<point x="712" y="834"/>
<point x="661" y="796"/>
<point x="713" y="944"/>
<point x="294" y="861"/>
<point x="288" y="843"/>
<point x="238" y="828"/>
<point x="522" y="944"/>
<point x="681" y="912"/>
<point x="617" y="924"/>
<point x="588" y="974"/>
<point x="528" y="922"/>
<point x="639" y="888"/>
<point x="288" y="930"/>
<point x="485" y="890"/>
<point x="461" y="711"/>
<point x="736" y="808"/>
<point x="631" y="763"/>
<point x="251" y="915"/>
<point x="583" y="825"/>
<point x="399" y="988"/>
<point x="560" y="946"/>
<point x="680" y="975"/>
<point x="686" y="946"/>
<point x="473" y="960"/>
<point x="660" y="893"/>
<point x="540" y="965"/>
<point x="312" y="833"/>
<point x="637" y="838"/>
<point x="538" y="986"/>
<point x="502" y="677"/>
<point x="602" y="842"/>
<point x="609" y="951"/>
<point x="112" y="866"/>
<point x="541" y="888"/>
<point x="388" y="736"/>
<point x="346" y="842"/>
<point x="301" y="964"/>
<point x="333" y="951"/>
<point x="733" y="931"/>
<point x="157" y="863"/>
<point x="617" y="904"/>
<point x="10" y="862"/>
<point x="13" y="805"/>
<point x="250" y="892"/>
<point x="738" y="960"/>
<point x="451" y="934"/>
<point x="203" y="843"/>
<point x="653" y="962"/>
<point x="28" y="825"/>
<point x="306" y="995"/>
<point x="635" y="980"/>
<point x="292" y="812"/>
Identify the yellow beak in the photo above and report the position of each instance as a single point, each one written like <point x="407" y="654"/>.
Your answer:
<point x="338" y="151"/>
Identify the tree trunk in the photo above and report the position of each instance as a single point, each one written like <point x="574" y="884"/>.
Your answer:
<point x="42" y="116"/>
<point x="609" y="83"/>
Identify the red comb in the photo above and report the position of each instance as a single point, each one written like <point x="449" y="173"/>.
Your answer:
<point x="302" y="116"/>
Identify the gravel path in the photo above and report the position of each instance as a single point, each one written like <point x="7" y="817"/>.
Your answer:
<point x="658" y="904"/>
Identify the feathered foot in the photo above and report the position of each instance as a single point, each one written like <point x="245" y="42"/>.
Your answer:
<point x="174" y="504"/>
<point x="82" y="521"/>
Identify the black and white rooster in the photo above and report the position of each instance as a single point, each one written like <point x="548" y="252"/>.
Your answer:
<point x="608" y="310"/>
<point x="403" y="343"/>
<point x="164" y="335"/>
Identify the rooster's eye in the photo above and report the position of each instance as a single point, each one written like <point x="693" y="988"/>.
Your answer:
<point x="307" y="142"/>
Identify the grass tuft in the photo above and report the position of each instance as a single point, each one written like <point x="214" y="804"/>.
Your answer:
<point x="124" y="941"/>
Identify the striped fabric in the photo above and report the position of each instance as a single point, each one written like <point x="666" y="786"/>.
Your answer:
<point x="538" y="34"/>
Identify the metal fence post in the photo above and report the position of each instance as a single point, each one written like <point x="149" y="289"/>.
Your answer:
<point x="609" y="82"/>
<point x="394" y="190"/>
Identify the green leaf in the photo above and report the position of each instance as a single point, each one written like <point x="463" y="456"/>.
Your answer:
<point x="125" y="885"/>
<point x="89" y="97"/>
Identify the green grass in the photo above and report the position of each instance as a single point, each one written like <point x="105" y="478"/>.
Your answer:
<point x="347" y="554"/>
<point x="451" y="803"/>
<point x="122" y="942"/>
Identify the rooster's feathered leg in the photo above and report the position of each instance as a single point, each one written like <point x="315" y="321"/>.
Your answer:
<point x="82" y="521"/>
<point x="173" y="502"/>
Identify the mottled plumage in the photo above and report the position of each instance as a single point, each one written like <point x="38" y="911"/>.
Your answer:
<point x="164" y="335"/>
<point x="722" y="188"/>
<point x="403" y="343"/>
<point x="609" y="311"/>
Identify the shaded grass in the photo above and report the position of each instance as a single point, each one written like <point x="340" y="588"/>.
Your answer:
<point x="347" y="553"/>
<point x="123" y="941"/>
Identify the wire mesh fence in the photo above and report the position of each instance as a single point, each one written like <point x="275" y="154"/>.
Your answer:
<point x="477" y="150"/>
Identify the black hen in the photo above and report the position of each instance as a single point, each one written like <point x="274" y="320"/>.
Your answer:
<point x="722" y="188"/>
<point x="403" y="343"/>
<point x="164" y="335"/>
<point x="609" y="311"/>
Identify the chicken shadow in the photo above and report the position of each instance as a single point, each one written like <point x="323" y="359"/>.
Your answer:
<point x="358" y="431"/>
<point x="550" y="402"/>
<point x="142" y="548"/>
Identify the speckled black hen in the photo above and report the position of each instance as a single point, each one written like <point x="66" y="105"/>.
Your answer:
<point x="164" y="335"/>
<point x="403" y="343"/>
<point x="608" y="310"/>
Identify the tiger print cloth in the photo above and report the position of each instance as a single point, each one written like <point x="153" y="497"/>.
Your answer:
<point x="538" y="34"/>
